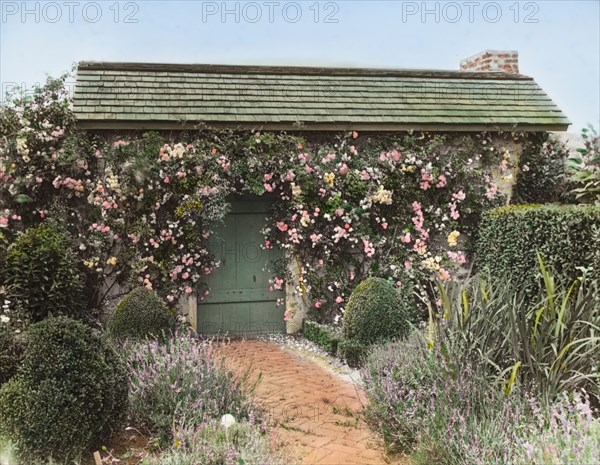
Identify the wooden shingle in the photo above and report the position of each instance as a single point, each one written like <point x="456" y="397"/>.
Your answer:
<point x="164" y="96"/>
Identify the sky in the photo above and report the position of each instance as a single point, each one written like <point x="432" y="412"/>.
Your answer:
<point x="558" y="41"/>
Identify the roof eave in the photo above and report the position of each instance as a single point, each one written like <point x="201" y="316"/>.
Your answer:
<point x="364" y="127"/>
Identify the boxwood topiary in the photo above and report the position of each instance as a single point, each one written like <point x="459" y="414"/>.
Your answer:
<point x="68" y="396"/>
<point x="141" y="314"/>
<point x="377" y="311"/>
<point x="40" y="275"/>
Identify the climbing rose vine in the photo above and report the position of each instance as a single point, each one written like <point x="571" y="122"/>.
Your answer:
<point x="143" y="208"/>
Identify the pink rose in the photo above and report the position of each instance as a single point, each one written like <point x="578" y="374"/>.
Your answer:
<point x="443" y="274"/>
<point x="460" y="195"/>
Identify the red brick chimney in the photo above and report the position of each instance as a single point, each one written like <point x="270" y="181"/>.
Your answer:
<point x="492" y="60"/>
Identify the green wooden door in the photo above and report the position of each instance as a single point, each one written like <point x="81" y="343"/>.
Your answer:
<point x="239" y="301"/>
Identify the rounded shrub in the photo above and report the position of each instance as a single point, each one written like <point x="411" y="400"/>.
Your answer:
<point x="10" y="353"/>
<point x="377" y="311"/>
<point x="69" y="395"/>
<point x="41" y="276"/>
<point x="141" y="314"/>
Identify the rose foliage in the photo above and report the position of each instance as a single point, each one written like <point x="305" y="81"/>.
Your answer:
<point x="142" y="207"/>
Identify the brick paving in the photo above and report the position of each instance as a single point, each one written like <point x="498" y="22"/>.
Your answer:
<point x="315" y="414"/>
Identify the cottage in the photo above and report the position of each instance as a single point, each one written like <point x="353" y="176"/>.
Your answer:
<point x="487" y="94"/>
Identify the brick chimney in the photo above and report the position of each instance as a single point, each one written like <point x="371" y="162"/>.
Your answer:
<point x="492" y="60"/>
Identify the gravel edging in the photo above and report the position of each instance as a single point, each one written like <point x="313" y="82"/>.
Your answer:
<point x="308" y="350"/>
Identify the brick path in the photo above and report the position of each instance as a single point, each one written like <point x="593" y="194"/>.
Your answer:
<point x="315" y="414"/>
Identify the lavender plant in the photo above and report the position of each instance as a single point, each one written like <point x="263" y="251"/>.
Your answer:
<point x="212" y="444"/>
<point x="444" y="412"/>
<point x="565" y="433"/>
<point x="426" y="400"/>
<point x="178" y="381"/>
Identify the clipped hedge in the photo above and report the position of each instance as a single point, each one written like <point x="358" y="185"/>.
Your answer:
<point x="141" y="314"/>
<point x="69" y="395"/>
<point x="567" y="236"/>
<point x="324" y="336"/>
<point x="378" y="312"/>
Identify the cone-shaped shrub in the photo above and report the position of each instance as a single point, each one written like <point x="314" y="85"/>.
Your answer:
<point x="141" y="314"/>
<point x="377" y="311"/>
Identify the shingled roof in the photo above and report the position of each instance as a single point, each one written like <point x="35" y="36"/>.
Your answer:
<point x="168" y="96"/>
